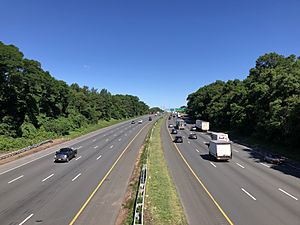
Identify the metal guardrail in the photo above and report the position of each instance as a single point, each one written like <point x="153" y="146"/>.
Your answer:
<point x="140" y="198"/>
<point x="24" y="149"/>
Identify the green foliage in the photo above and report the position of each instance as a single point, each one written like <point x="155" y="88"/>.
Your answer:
<point x="265" y="104"/>
<point x="155" y="110"/>
<point x="33" y="102"/>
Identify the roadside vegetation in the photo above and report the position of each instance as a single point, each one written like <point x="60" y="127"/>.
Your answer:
<point x="162" y="204"/>
<point x="34" y="106"/>
<point x="264" y="108"/>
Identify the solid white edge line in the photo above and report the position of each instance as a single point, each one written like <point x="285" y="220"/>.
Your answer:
<point x="240" y="165"/>
<point x="213" y="164"/>
<point x="78" y="158"/>
<point x="288" y="194"/>
<point x="27" y="218"/>
<point x="9" y="182"/>
<point x="76" y="177"/>
<point x="48" y="177"/>
<point x="248" y="194"/>
<point x="265" y="165"/>
<point x="99" y="157"/>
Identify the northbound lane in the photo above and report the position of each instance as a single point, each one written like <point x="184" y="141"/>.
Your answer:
<point x="248" y="191"/>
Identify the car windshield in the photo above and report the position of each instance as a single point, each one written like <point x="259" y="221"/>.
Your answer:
<point x="63" y="150"/>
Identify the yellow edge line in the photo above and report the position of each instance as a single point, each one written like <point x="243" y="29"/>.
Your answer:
<point x="106" y="175"/>
<point x="206" y="190"/>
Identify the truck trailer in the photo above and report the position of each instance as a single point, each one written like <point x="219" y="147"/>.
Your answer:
<point x="220" y="150"/>
<point x="219" y="136"/>
<point x="202" y="125"/>
<point x="180" y="124"/>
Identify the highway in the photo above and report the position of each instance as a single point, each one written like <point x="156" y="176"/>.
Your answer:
<point x="246" y="190"/>
<point x="35" y="190"/>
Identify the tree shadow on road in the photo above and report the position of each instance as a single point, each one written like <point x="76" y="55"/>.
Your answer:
<point x="289" y="167"/>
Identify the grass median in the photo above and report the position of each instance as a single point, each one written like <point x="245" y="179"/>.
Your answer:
<point x="162" y="204"/>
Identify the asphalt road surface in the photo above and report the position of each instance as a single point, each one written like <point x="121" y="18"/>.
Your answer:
<point x="246" y="190"/>
<point x="86" y="190"/>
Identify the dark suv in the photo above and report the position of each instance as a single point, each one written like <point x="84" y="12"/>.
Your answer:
<point x="178" y="139"/>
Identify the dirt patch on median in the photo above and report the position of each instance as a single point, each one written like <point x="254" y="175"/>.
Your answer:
<point x="126" y="212"/>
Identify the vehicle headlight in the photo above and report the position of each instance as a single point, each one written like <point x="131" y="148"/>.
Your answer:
<point x="55" y="156"/>
<point x="65" y="156"/>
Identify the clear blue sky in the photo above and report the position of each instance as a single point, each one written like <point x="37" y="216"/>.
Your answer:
<point x="159" y="50"/>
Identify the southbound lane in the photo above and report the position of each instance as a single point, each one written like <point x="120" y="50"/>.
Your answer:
<point x="38" y="191"/>
<point x="248" y="191"/>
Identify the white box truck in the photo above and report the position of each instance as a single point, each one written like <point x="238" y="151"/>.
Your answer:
<point x="220" y="150"/>
<point x="219" y="136"/>
<point x="202" y="125"/>
<point x="180" y="124"/>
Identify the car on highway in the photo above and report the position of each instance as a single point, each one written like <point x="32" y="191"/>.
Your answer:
<point x="174" y="131"/>
<point x="193" y="128"/>
<point x="275" y="159"/>
<point x="178" y="139"/>
<point x="132" y="122"/>
<point x="193" y="136"/>
<point x="65" y="154"/>
<point x="140" y="121"/>
<point x="171" y="125"/>
<point x="150" y="118"/>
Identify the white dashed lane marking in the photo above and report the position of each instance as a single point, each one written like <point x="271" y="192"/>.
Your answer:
<point x="251" y="196"/>
<point x="288" y="194"/>
<point x="240" y="165"/>
<point x="9" y="182"/>
<point x="27" y="218"/>
<point x="76" y="177"/>
<point x="213" y="164"/>
<point x="48" y="177"/>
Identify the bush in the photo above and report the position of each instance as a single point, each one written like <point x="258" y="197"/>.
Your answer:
<point x="60" y="126"/>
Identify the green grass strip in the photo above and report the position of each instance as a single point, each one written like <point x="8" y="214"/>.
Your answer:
<point x="162" y="202"/>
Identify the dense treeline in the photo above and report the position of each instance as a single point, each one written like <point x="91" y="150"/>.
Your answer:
<point x="32" y="102"/>
<point x="265" y="105"/>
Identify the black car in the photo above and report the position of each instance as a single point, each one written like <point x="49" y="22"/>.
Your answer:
<point x="65" y="154"/>
<point x="174" y="131"/>
<point x="150" y="118"/>
<point x="178" y="139"/>
<point x="132" y="122"/>
<point x="193" y="136"/>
